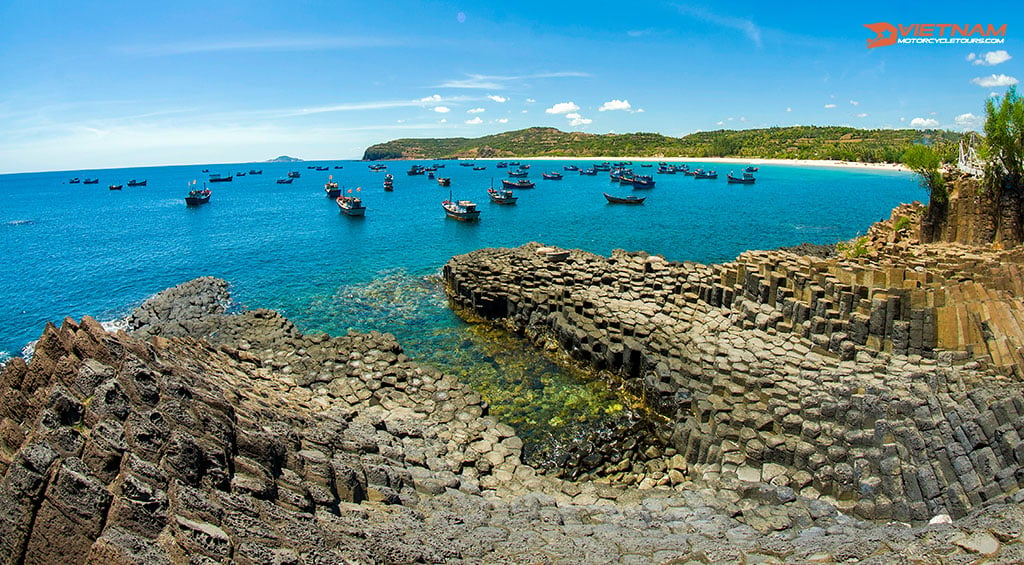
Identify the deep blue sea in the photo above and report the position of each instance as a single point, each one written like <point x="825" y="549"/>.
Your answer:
<point x="75" y="249"/>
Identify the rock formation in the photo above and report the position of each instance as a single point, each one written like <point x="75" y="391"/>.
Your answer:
<point x="886" y="385"/>
<point x="205" y="437"/>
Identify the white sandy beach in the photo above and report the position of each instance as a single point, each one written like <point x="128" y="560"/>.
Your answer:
<point x="727" y="160"/>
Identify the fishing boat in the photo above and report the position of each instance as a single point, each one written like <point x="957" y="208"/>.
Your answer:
<point x="646" y="165"/>
<point x="466" y="164"/>
<point x="323" y="168"/>
<point x="570" y="168"/>
<point x="336" y="167"/>
<point x="240" y="174"/>
<point x="431" y="168"/>
<point x="389" y="181"/>
<point x="255" y="171"/>
<point x="747" y="178"/>
<point x="462" y="210"/>
<point x="376" y="167"/>
<point x="75" y="180"/>
<point x="351" y="205"/>
<point x="479" y="168"/>
<point x="666" y="170"/>
<point x="284" y="181"/>
<point x="416" y="170"/>
<point x="750" y="170"/>
<point x="603" y="167"/>
<point x="521" y="183"/>
<point x="206" y="170"/>
<point x="705" y="174"/>
<point x="331" y="188"/>
<point x="294" y="174"/>
<point x="134" y="182"/>
<point x="501" y="165"/>
<point x="444" y="181"/>
<point x="552" y="175"/>
<point x="503" y="196"/>
<point x="311" y="167"/>
<point x="439" y="166"/>
<point x="591" y="172"/>
<point x="217" y="178"/>
<point x="523" y="167"/>
<point x="513" y="163"/>
<point x="643" y="181"/>
<point x="115" y="187"/>
<point x="624" y="199"/>
<point x="91" y="181"/>
<point x="196" y="196"/>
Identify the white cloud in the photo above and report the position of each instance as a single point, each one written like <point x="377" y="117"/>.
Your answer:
<point x="747" y="27"/>
<point x="993" y="94"/>
<point x="572" y="115"/>
<point x="994" y="80"/>
<point x="924" y="123"/>
<point x="442" y="109"/>
<point x="967" y="120"/>
<point x="830" y="105"/>
<point x="502" y="120"/>
<point x="992" y="58"/>
<point x="639" y="110"/>
<point x="788" y="109"/>
<point x="497" y="82"/>
<point x="862" y="115"/>
<point x="614" y="105"/>
<point x="563" y="108"/>
<point x="530" y="100"/>
<point x="444" y="120"/>
<point x="432" y="98"/>
<point x="719" y="123"/>
<point x="580" y="122"/>
<point x="474" y="110"/>
<point x="475" y="121"/>
<point x="854" y="103"/>
<point x="971" y="57"/>
<point x="498" y="99"/>
<point x="743" y="118"/>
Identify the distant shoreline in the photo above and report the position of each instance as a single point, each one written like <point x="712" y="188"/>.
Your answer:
<point x="730" y="160"/>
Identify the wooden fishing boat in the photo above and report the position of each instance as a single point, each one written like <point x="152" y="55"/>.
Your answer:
<point x="196" y="196"/>
<point x="91" y="181"/>
<point x="643" y="181"/>
<point x="503" y="196"/>
<point x="416" y="170"/>
<point x="462" y="210"/>
<point x="284" y="181"/>
<point x="552" y="176"/>
<point x="331" y="188"/>
<point x="518" y="174"/>
<point x="624" y="199"/>
<point x="75" y="180"/>
<point x="747" y="178"/>
<point x="351" y="205"/>
<point x="255" y="171"/>
<point x="521" y="183"/>
<point x="570" y="168"/>
<point x="591" y="172"/>
<point x="444" y="181"/>
<point x="750" y="169"/>
<point x="705" y="174"/>
<point x="134" y="182"/>
<point x="214" y="177"/>
<point x="389" y="183"/>
<point x="479" y="168"/>
<point x="116" y="186"/>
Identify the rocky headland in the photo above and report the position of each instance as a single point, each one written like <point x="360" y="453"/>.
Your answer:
<point x="803" y="409"/>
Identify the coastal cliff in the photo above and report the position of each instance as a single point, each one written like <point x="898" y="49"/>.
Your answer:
<point x="887" y="385"/>
<point x="201" y="437"/>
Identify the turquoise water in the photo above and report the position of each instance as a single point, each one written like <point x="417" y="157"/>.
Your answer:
<point x="83" y="249"/>
<point x="72" y="250"/>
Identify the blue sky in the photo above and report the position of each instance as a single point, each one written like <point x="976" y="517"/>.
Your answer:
<point x="96" y="85"/>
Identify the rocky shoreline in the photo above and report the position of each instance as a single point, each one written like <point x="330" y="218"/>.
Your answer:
<point x="202" y="436"/>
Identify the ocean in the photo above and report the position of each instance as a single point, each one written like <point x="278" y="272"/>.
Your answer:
<point x="76" y="249"/>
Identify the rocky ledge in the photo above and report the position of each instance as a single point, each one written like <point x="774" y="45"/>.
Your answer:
<point x="884" y="385"/>
<point x="205" y="437"/>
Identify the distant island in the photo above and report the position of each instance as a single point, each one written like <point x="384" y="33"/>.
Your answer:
<point x="283" y="159"/>
<point x="795" y="142"/>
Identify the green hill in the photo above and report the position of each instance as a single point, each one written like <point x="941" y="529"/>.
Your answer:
<point x="796" y="142"/>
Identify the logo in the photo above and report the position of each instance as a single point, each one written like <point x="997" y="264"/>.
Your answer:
<point x="943" y="34"/>
<point x="885" y="34"/>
